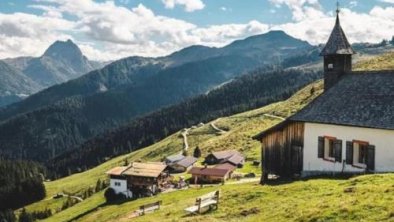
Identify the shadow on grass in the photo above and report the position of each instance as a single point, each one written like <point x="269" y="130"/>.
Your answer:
<point x="117" y="202"/>
<point x="206" y="211"/>
<point x="288" y="180"/>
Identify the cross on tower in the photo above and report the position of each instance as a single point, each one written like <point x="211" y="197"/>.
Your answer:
<point x="338" y="7"/>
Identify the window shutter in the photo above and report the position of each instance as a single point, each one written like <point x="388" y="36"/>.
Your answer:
<point x="320" y="151"/>
<point x="338" y="150"/>
<point x="371" y="158"/>
<point x="349" y="152"/>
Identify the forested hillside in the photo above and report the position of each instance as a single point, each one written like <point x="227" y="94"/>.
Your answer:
<point x="14" y="85"/>
<point x="21" y="183"/>
<point x="62" y="117"/>
<point x="257" y="89"/>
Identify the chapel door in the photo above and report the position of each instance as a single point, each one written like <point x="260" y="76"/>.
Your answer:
<point x="296" y="159"/>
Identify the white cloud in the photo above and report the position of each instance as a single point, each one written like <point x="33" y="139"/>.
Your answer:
<point x="353" y="4"/>
<point x="26" y="34"/>
<point x="359" y="27"/>
<point x="388" y="1"/>
<point x="299" y="8"/>
<point x="107" y="31"/>
<point x="219" y="35"/>
<point x="190" y="5"/>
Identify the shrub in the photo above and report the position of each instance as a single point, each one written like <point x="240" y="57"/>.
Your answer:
<point x="110" y="195"/>
<point x="197" y="152"/>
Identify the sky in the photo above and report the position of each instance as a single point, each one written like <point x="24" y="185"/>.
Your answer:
<point x="113" y="29"/>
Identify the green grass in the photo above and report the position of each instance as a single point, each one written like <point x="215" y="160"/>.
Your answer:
<point x="384" y="62"/>
<point x="314" y="200"/>
<point x="241" y="128"/>
<point x="371" y="199"/>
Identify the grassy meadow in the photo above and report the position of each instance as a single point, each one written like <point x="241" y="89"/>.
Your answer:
<point x="362" y="198"/>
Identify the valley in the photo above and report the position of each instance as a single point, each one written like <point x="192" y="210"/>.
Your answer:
<point x="350" y="196"/>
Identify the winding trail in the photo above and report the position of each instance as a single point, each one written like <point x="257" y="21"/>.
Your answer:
<point x="273" y="116"/>
<point x="217" y="128"/>
<point x="185" y="133"/>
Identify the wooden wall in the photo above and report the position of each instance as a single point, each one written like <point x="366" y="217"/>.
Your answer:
<point x="282" y="150"/>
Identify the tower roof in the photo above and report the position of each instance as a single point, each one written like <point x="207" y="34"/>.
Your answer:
<point x="337" y="43"/>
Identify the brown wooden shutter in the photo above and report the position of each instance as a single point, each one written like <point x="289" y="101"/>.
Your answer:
<point x="338" y="150"/>
<point x="320" y="151"/>
<point x="371" y="158"/>
<point x="349" y="152"/>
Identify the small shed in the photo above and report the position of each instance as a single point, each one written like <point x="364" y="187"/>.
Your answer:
<point x="227" y="156"/>
<point x="173" y="159"/>
<point x="183" y="165"/>
<point x="209" y="175"/>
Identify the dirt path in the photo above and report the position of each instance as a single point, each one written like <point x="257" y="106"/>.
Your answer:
<point x="217" y="128"/>
<point x="247" y="180"/>
<point x="273" y="116"/>
<point x="185" y="133"/>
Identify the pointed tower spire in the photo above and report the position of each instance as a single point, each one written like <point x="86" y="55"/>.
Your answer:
<point x="337" y="54"/>
<point x="337" y="43"/>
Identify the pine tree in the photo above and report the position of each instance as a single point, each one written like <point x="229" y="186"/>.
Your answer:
<point x="98" y="186"/>
<point x="25" y="216"/>
<point x="197" y="152"/>
<point x="7" y="215"/>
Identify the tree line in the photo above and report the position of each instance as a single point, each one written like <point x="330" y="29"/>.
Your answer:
<point x="256" y="89"/>
<point x="21" y="184"/>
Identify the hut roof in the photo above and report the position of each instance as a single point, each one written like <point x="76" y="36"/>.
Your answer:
<point x="174" y="158"/>
<point x="117" y="171"/>
<point x="226" y="166"/>
<point x="187" y="161"/>
<point x="205" y="171"/>
<point x="225" y="154"/>
<point x="145" y="169"/>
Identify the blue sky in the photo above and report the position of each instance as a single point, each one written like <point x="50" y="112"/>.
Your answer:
<point x="119" y="28"/>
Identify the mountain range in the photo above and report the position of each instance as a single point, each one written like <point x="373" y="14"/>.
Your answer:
<point x="62" y="117"/>
<point x="24" y="76"/>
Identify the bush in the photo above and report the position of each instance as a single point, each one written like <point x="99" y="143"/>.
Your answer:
<point x="7" y="215"/>
<point x="25" y="216"/>
<point x="110" y="195"/>
<point x="197" y="152"/>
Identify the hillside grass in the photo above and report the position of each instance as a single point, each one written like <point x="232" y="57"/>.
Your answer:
<point x="240" y="129"/>
<point x="362" y="198"/>
<point x="383" y="62"/>
<point x="313" y="200"/>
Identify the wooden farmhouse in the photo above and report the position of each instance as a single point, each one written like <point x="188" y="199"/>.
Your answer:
<point x="348" y="129"/>
<point x="217" y="174"/>
<point x="138" y="179"/>
<point x="228" y="156"/>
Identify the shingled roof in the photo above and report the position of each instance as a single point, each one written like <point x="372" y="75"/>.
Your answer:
<point x="364" y="99"/>
<point x="187" y="161"/>
<point x="205" y="171"/>
<point x="361" y="99"/>
<point x="337" y="43"/>
<point x="151" y="169"/>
